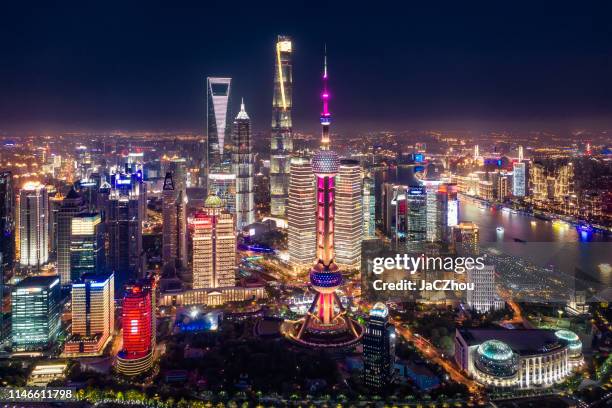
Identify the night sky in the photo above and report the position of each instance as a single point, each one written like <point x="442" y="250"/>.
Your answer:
<point x="405" y="65"/>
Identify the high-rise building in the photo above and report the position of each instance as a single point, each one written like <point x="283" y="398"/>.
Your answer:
<point x="33" y="225"/>
<point x="369" y="209"/>
<point x="242" y="167"/>
<point x="218" y="103"/>
<point x="416" y="219"/>
<point x="72" y="205"/>
<point x="301" y="209"/>
<point x="223" y="185"/>
<point x="447" y="210"/>
<point x="378" y="349"/>
<point x="519" y="179"/>
<point x="7" y="221"/>
<point x="327" y="324"/>
<point x="126" y="207"/>
<point x="55" y="204"/>
<point x="138" y="320"/>
<point x="281" y="138"/>
<point x="465" y="238"/>
<point x="93" y="314"/>
<point x="86" y="245"/>
<point x="35" y="312"/>
<point x="349" y="215"/>
<point x="174" y="228"/>
<point x="483" y="297"/>
<point x="214" y="246"/>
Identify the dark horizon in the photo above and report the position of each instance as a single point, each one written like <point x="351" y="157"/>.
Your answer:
<point x="486" y="65"/>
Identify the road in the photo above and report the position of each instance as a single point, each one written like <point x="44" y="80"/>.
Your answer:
<point x="433" y="354"/>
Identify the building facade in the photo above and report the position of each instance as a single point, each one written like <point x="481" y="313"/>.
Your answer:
<point x="35" y="313"/>
<point x="93" y="314"/>
<point x="242" y="168"/>
<point x="214" y="246"/>
<point x="86" y="245"/>
<point x="378" y="349"/>
<point x="71" y="205"/>
<point x="218" y="106"/>
<point x="349" y="214"/>
<point x="281" y="145"/>
<point x="174" y="228"/>
<point x="301" y="208"/>
<point x="33" y="225"/>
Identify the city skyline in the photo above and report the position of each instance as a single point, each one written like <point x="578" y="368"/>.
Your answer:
<point x="475" y="67"/>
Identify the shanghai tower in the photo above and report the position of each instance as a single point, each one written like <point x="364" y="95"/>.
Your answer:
<point x="281" y="145"/>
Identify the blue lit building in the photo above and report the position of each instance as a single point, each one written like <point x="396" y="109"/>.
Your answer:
<point x="378" y="349"/>
<point x="35" y="311"/>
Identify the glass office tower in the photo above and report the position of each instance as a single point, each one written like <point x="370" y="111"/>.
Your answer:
<point x="218" y="93"/>
<point x="281" y="138"/>
<point x="35" y="311"/>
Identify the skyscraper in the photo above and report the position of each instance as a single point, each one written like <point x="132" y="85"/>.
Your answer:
<point x="378" y="348"/>
<point x="33" y="225"/>
<point x="72" y="205"/>
<point x="369" y="209"/>
<point x="86" y="245"/>
<point x="7" y="221"/>
<point x="465" y="238"/>
<point x="242" y="167"/>
<point x="301" y="209"/>
<point x="214" y="246"/>
<point x="174" y="229"/>
<point x="93" y="314"/>
<point x="138" y="320"/>
<point x="519" y="179"/>
<point x="416" y="219"/>
<point x="218" y="93"/>
<point x="447" y="210"/>
<point x="281" y="137"/>
<point x="483" y="297"/>
<point x="223" y="185"/>
<point x="126" y="207"/>
<point x="326" y="324"/>
<point x="349" y="215"/>
<point x="35" y="312"/>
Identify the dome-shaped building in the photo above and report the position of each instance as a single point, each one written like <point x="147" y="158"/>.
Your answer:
<point x="496" y="362"/>
<point x="574" y="345"/>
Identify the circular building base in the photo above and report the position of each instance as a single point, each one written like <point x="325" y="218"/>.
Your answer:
<point x="338" y="336"/>
<point x="134" y="365"/>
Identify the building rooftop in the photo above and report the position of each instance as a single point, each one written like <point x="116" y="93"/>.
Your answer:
<point x="523" y="341"/>
<point x="37" y="281"/>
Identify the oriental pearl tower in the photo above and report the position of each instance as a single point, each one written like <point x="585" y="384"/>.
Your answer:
<point x="326" y="324"/>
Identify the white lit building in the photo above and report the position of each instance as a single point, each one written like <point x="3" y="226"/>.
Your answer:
<point x="214" y="246"/>
<point x="33" y="225"/>
<point x="349" y="215"/>
<point x="302" y="229"/>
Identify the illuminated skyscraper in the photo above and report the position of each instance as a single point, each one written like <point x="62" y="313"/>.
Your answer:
<point x="72" y="205"/>
<point x="214" y="246"/>
<point x="174" y="229"/>
<point x="378" y="349"/>
<point x="369" y="209"/>
<point x="33" y="225"/>
<point x="86" y="245"/>
<point x="326" y="324"/>
<point x="465" y="238"/>
<point x="519" y="179"/>
<point x="93" y="314"/>
<point x="7" y="221"/>
<point x="138" y="320"/>
<point x="447" y="210"/>
<point x="126" y="207"/>
<point x="416" y="219"/>
<point x="223" y="185"/>
<point x="483" y="298"/>
<point x="281" y="138"/>
<point x="301" y="209"/>
<point x="349" y="215"/>
<point x="218" y="93"/>
<point x="242" y="167"/>
<point x="35" y="312"/>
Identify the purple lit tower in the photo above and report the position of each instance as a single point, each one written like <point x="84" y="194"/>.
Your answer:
<point x="326" y="324"/>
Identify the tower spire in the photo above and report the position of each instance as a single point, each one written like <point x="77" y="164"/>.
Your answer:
<point x="325" y="115"/>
